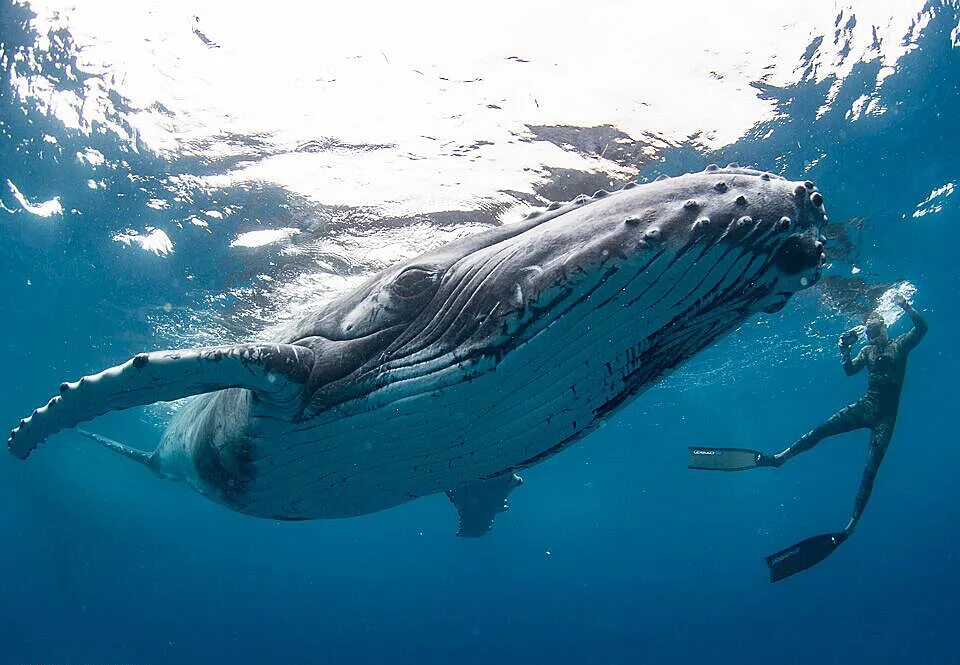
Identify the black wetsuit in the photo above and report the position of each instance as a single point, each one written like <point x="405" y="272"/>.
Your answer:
<point x="876" y="410"/>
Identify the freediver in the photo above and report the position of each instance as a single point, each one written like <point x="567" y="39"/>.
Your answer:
<point x="886" y="363"/>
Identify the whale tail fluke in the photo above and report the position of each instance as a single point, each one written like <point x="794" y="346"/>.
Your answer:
<point x="149" y="460"/>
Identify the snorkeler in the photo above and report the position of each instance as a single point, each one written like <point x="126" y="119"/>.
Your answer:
<point x="886" y="363"/>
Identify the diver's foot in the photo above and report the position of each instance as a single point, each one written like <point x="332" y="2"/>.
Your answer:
<point x="769" y="460"/>
<point x="847" y="530"/>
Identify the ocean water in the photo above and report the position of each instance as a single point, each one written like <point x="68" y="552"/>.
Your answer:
<point x="174" y="175"/>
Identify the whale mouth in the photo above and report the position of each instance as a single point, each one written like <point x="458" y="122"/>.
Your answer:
<point x="800" y="253"/>
<point x="800" y="258"/>
<point x="777" y="306"/>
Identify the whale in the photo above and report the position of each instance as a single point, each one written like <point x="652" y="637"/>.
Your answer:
<point x="454" y="371"/>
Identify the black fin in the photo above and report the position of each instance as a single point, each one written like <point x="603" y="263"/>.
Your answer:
<point x="478" y="503"/>
<point x="726" y="459"/>
<point x="803" y="555"/>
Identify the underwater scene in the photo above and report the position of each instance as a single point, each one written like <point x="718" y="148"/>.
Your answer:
<point x="511" y="332"/>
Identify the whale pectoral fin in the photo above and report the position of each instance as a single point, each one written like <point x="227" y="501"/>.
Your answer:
<point x="478" y="503"/>
<point x="276" y="372"/>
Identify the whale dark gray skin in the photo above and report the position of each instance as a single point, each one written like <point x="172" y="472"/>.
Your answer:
<point x="452" y="371"/>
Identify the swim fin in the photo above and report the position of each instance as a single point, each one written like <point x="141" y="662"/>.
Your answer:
<point x="726" y="459"/>
<point x="803" y="555"/>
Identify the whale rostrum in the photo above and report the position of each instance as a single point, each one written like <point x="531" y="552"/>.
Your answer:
<point x="455" y="370"/>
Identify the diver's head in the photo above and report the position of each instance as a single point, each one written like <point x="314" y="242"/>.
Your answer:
<point x="875" y="329"/>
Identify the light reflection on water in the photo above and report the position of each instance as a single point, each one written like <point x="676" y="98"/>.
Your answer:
<point x="273" y="156"/>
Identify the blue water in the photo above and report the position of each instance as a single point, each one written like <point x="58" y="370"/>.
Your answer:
<point x="612" y="552"/>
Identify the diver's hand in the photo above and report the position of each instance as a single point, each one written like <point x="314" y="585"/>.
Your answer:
<point x="847" y="339"/>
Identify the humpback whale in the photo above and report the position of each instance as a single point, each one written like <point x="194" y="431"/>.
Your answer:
<point x="455" y="370"/>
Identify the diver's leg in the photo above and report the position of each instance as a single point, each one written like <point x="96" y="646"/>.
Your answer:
<point x="848" y="418"/>
<point x="812" y="551"/>
<point x="878" y="448"/>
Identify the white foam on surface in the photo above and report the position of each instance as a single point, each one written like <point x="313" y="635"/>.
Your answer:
<point x="156" y="241"/>
<point x="47" y="208"/>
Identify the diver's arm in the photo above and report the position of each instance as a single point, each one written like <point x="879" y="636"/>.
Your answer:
<point x="915" y="334"/>
<point x="853" y="366"/>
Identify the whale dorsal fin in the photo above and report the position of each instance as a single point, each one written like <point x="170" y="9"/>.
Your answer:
<point x="275" y="372"/>
<point x="479" y="503"/>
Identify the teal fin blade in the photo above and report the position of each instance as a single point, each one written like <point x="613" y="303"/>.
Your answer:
<point x="479" y="503"/>
<point x="803" y="555"/>
<point x="724" y="459"/>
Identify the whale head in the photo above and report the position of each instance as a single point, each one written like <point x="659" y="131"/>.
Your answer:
<point x="688" y="257"/>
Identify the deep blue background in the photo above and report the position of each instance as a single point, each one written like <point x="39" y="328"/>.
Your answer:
<point x="611" y="553"/>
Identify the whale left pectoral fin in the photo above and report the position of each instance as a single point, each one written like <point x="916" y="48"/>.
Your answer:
<point x="479" y="503"/>
<point x="275" y="372"/>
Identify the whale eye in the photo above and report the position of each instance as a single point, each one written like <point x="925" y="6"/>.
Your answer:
<point x="390" y="302"/>
<point x="413" y="282"/>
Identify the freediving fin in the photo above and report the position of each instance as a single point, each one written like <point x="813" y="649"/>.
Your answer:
<point x="803" y="555"/>
<point x="726" y="459"/>
<point x="478" y="503"/>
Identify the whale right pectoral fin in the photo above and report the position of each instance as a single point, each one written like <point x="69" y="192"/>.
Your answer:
<point x="275" y="372"/>
<point x="478" y="503"/>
